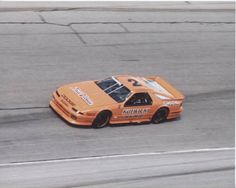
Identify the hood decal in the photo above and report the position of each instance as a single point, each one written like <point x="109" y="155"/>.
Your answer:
<point x="83" y="95"/>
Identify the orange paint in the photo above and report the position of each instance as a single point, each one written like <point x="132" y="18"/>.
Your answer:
<point x="80" y="103"/>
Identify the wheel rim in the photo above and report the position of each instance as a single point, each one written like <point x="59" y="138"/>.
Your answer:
<point x="102" y="120"/>
<point x="160" y="116"/>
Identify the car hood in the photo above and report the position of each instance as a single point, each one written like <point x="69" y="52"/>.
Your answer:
<point x="85" y="95"/>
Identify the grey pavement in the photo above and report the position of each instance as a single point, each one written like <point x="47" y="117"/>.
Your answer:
<point x="118" y="6"/>
<point x="186" y="170"/>
<point x="41" y="50"/>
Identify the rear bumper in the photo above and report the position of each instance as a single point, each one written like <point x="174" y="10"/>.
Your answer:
<point x="175" y="114"/>
<point x="80" y="120"/>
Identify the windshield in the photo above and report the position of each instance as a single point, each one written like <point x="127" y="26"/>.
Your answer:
<point x="114" y="89"/>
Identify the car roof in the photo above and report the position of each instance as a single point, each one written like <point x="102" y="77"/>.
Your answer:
<point x="129" y="82"/>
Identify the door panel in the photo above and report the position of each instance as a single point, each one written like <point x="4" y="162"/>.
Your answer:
<point x="138" y="108"/>
<point x="135" y="113"/>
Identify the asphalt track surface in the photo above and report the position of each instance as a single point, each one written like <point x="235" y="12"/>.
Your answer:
<point x="40" y="51"/>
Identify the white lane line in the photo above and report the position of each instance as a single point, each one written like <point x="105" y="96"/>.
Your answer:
<point x="116" y="156"/>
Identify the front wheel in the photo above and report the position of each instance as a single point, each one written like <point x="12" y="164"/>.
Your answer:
<point x="160" y="115"/>
<point x="101" y="120"/>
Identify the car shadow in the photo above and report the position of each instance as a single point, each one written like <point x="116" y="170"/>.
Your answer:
<point x="118" y="125"/>
<point x="142" y="123"/>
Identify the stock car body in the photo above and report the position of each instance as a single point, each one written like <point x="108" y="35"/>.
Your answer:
<point x="117" y="100"/>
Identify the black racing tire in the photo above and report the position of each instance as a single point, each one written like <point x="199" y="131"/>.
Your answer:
<point x="102" y="119"/>
<point x="160" y="115"/>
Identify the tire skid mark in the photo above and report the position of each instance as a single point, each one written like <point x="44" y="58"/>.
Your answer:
<point x="126" y="180"/>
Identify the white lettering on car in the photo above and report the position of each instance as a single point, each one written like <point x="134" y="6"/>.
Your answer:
<point x="135" y="111"/>
<point x="83" y="95"/>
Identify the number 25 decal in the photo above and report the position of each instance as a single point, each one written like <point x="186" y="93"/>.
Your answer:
<point x="135" y="82"/>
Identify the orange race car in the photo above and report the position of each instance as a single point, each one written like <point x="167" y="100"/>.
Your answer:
<point x="116" y="100"/>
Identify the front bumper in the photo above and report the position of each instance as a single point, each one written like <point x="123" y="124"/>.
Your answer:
<point x="66" y="115"/>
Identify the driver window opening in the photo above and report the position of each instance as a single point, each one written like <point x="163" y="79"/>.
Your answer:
<point x="139" y="99"/>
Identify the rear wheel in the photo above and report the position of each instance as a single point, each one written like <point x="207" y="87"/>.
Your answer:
<point x="160" y="115"/>
<point x="102" y="119"/>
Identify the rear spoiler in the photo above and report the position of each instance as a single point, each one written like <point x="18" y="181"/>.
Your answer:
<point x="176" y="93"/>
